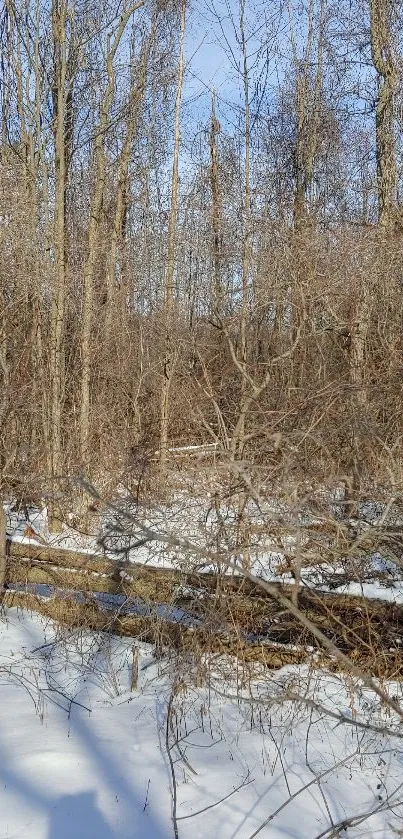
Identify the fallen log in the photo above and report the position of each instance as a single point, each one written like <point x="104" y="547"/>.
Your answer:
<point x="372" y="629"/>
<point x="199" y="641"/>
<point x="103" y="565"/>
<point x="151" y="629"/>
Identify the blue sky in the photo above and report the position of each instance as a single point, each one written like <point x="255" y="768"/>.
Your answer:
<point x="210" y="39"/>
<point x="207" y="64"/>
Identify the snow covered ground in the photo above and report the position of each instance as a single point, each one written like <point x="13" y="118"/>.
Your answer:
<point x="84" y="756"/>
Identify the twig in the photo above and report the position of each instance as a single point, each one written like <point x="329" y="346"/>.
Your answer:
<point x="333" y="830"/>
<point x="171" y="765"/>
<point x="145" y="805"/>
<point x="244" y="783"/>
<point x="341" y="719"/>
<point x="298" y="792"/>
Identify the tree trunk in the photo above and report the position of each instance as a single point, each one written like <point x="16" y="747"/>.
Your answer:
<point x="169" y="350"/>
<point x="246" y="243"/>
<point x="384" y="62"/>
<point x="216" y="209"/>
<point x="3" y="547"/>
<point x="308" y="101"/>
<point x="358" y="337"/>
<point x="94" y="238"/>
<point x="59" y="14"/>
<point x="134" y="108"/>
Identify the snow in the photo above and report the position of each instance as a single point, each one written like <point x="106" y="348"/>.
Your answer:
<point x="82" y="755"/>
<point x="296" y="753"/>
<point x="38" y="519"/>
<point x="372" y="591"/>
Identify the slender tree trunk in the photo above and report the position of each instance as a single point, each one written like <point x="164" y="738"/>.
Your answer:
<point x="384" y="62"/>
<point x="94" y="237"/>
<point x="3" y="547"/>
<point x="59" y="13"/>
<point x="307" y="101"/>
<point x="216" y="209"/>
<point x="5" y="366"/>
<point x="169" y="350"/>
<point x="134" y="109"/>
<point x="239" y="441"/>
<point x="33" y="157"/>
<point x="40" y="173"/>
<point x="359" y="400"/>
<point x="308" y="74"/>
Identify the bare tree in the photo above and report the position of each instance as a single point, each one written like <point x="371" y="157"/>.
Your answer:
<point x="216" y="205"/>
<point x="94" y="230"/>
<point x="169" y="285"/>
<point x="308" y="73"/>
<point x="133" y="107"/>
<point x="59" y="22"/>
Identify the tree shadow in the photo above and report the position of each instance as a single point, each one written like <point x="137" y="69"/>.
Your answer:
<point x="78" y="815"/>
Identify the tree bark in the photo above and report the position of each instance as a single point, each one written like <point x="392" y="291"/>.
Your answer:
<point x="134" y="107"/>
<point x="3" y="547"/>
<point x="385" y="65"/>
<point x="216" y="208"/>
<point x="358" y="339"/>
<point x="239" y="441"/>
<point x="169" y="350"/>
<point x="94" y="237"/>
<point x="59" y="14"/>
<point x="307" y="108"/>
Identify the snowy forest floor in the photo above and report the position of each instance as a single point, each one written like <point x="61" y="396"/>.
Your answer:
<point x="229" y="749"/>
<point x="85" y="755"/>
